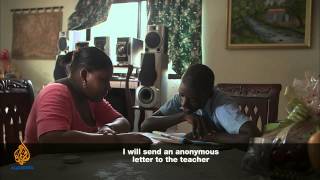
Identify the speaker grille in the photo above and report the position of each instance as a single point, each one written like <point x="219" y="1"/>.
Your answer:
<point x="153" y="40"/>
<point x="62" y="44"/>
<point x="148" y="74"/>
<point x="146" y="95"/>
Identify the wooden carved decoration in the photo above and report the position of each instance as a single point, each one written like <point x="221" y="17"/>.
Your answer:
<point x="16" y="98"/>
<point x="257" y="101"/>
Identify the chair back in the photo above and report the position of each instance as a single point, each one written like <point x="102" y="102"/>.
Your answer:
<point x="257" y="101"/>
<point x="16" y="98"/>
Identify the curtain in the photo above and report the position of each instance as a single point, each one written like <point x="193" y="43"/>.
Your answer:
<point x="183" y="19"/>
<point x="89" y="13"/>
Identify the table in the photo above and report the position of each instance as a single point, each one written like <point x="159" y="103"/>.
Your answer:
<point x="112" y="165"/>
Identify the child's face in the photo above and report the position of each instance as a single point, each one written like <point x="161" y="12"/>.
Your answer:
<point x="190" y="101"/>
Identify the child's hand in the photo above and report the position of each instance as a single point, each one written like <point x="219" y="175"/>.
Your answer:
<point x="188" y="117"/>
<point x="201" y="126"/>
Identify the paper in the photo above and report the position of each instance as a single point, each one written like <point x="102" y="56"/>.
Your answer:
<point x="175" y="138"/>
<point x="156" y="138"/>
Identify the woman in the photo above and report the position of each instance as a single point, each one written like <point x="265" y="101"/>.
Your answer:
<point x="72" y="110"/>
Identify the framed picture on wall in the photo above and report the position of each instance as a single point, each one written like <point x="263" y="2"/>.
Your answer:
<point x="269" y="24"/>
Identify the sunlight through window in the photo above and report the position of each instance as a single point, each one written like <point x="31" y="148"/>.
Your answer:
<point x="122" y="22"/>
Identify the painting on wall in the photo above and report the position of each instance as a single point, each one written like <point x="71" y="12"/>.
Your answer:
<point x="35" y="35"/>
<point x="269" y="24"/>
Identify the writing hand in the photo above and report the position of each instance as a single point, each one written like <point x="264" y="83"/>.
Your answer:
<point x="106" y="130"/>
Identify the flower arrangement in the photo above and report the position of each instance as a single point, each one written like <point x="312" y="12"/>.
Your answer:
<point x="303" y="105"/>
<point x="291" y="146"/>
<point x="304" y="100"/>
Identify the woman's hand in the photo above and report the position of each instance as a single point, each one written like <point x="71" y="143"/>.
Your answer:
<point x="106" y="130"/>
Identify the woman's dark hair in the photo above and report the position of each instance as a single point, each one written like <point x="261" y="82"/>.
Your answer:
<point x="199" y="78"/>
<point x="90" y="58"/>
<point x="60" y="69"/>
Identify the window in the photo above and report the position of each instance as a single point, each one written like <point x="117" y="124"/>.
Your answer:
<point x="122" y="22"/>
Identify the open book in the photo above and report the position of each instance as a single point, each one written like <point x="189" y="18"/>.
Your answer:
<point x="175" y="138"/>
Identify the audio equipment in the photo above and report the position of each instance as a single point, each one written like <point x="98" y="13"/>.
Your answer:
<point x="129" y="50"/>
<point x="88" y="34"/>
<point x="156" y="40"/>
<point x="63" y="41"/>
<point x="103" y="43"/>
<point x="153" y="78"/>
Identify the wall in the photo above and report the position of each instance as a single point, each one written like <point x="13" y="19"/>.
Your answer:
<point x="40" y="72"/>
<point x="1" y="32"/>
<point x="2" y="7"/>
<point x="255" y="66"/>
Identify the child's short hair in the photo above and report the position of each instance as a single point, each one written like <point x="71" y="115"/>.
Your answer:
<point x="199" y="78"/>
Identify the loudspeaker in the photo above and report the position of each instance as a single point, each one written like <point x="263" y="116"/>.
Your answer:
<point x="148" y="96"/>
<point x="103" y="43"/>
<point x="129" y="51"/>
<point x="63" y="41"/>
<point x="88" y="34"/>
<point x="148" y="73"/>
<point x="153" y="78"/>
<point x="156" y="40"/>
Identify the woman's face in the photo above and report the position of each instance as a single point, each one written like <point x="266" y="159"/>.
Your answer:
<point x="98" y="84"/>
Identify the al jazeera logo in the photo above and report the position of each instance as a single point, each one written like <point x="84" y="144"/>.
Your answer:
<point x="21" y="156"/>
